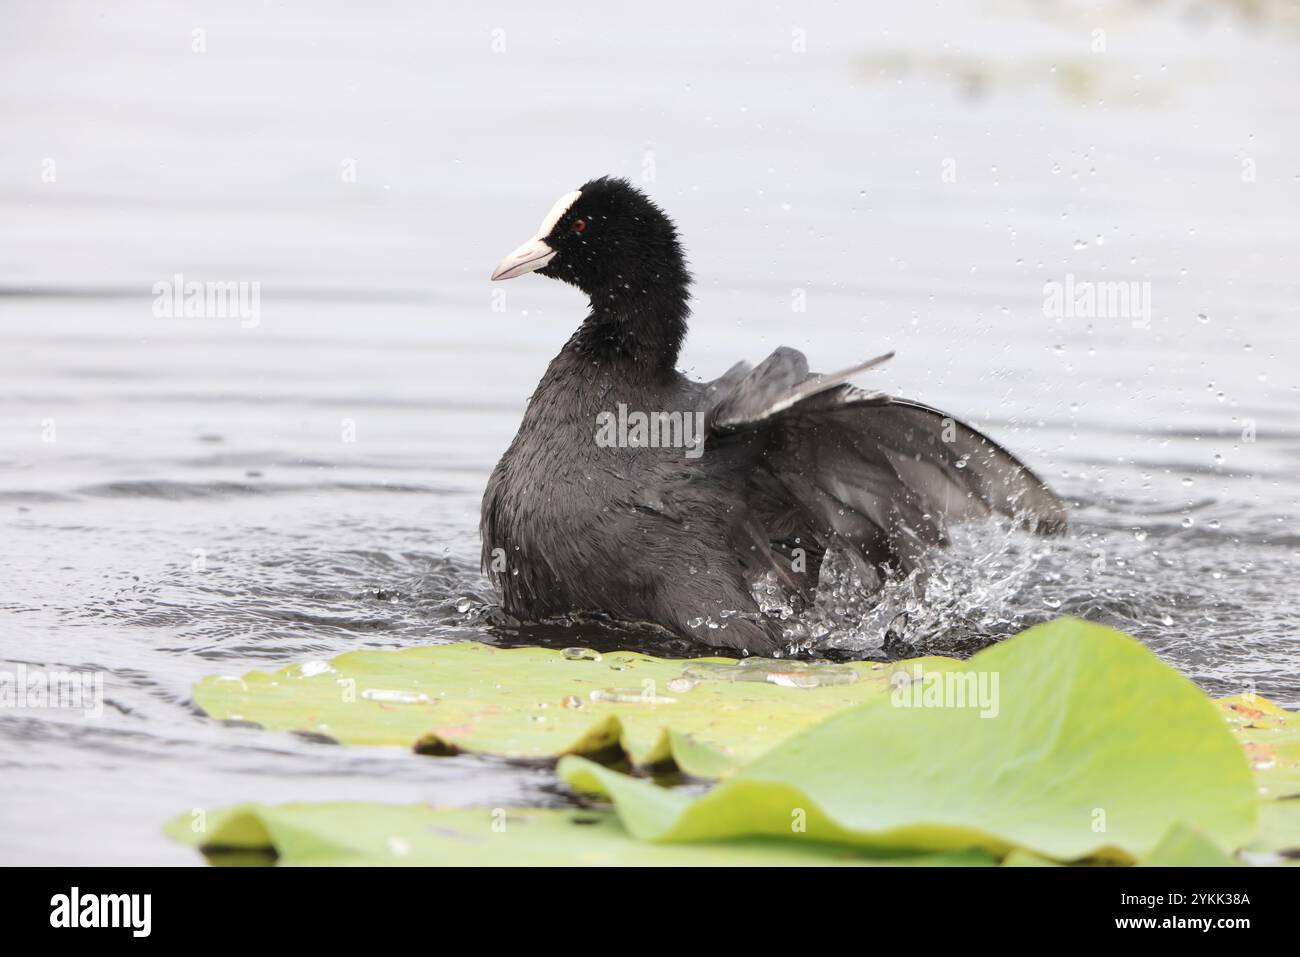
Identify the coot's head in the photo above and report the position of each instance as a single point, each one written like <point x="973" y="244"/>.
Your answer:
<point x="608" y="239"/>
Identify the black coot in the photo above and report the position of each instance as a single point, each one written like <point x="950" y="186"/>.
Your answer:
<point x="634" y="491"/>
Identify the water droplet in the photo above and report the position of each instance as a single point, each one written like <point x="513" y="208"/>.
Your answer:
<point x="580" y="654"/>
<point x="713" y="671"/>
<point x="616" y="696"/>
<point x="395" y="696"/>
<point x="793" y="679"/>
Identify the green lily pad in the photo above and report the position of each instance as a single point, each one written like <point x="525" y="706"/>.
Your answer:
<point x="1184" y="847"/>
<point x="1271" y="736"/>
<point x="1279" y="833"/>
<point x="389" y="834"/>
<point x="707" y="715"/>
<point x="1091" y="746"/>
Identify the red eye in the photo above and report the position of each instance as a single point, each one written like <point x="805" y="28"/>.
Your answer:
<point x="579" y="225"/>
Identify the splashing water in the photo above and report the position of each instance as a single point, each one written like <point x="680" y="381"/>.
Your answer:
<point x="1208" y="600"/>
<point x="957" y="600"/>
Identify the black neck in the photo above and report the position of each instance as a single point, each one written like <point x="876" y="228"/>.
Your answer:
<point x="638" y="326"/>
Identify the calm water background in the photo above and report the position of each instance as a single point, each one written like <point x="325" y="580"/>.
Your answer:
<point x="218" y="498"/>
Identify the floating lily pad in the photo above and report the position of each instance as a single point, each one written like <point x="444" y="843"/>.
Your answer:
<point x="707" y="715"/>
<point x="1184" y="847"/>
<point x="1084" y="744"/>
<point x="1279" y="833"/>
<point x="1271" y="736"/>
<point x="388" y="834"/>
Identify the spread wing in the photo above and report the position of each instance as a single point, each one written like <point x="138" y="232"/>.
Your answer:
<point x="882" y="477"/>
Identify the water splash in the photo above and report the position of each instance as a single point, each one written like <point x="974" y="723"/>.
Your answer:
<point x="959" y="599"/>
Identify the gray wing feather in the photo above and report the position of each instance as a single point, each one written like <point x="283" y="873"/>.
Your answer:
<point x="880" y="476"/>
<point x="778" y="384"/>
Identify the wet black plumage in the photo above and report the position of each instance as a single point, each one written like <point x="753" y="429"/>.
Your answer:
<point x="792" y="464"/>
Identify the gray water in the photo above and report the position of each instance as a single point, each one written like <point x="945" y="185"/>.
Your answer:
<point x="180" y="497"/>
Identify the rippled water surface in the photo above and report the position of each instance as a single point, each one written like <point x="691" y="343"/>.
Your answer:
<point x="180" y="497"/>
